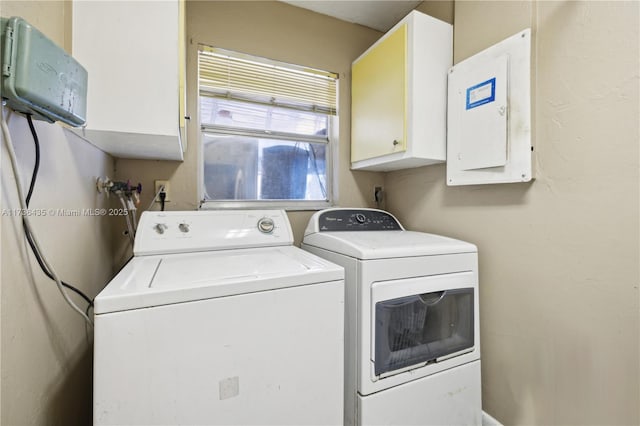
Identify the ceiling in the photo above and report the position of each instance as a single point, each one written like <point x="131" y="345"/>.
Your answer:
<point x="377" y="14"/>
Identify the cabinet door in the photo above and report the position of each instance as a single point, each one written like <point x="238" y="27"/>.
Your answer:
<point x="131" y="52"/>
<point x="379" y="86"/>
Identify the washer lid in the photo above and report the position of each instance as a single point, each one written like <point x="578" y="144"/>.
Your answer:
<point x="387" y="244"/>
<point x="161" y="280"/>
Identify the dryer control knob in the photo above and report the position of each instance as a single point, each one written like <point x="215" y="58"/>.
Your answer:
<point x="266" y="225"/>
<point x="183" y="227"/>
<point x="160" y="228"/>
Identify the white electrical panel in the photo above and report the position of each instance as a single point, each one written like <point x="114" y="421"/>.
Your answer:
<point x="489" y="115"/>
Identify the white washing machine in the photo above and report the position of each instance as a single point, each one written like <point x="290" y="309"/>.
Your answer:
<point x="412" y="335"/>
<point x="219" y="319"/>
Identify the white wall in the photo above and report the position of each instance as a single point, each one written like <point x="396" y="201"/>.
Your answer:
<point x="46" y="350"/>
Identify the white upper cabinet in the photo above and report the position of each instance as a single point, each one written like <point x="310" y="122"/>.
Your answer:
<point x="399" y="96"/>
<point x="133" y="52"/>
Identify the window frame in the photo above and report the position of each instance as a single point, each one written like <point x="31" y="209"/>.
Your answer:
<point x="331" y="141"/>
<point x="292" y="205"/>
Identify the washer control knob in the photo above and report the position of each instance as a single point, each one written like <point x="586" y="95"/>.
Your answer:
<point x="183" y="227"/>
<point x="160" y="228"/>
<point x="361" y="218"/>
<point x="266" y="225"/>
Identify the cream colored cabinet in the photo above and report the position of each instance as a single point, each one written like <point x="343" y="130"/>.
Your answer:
<point x="134" y="56"/>
<point x="399" y="96"/>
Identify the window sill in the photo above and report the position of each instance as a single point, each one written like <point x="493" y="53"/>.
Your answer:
<point x="288" y="205"/>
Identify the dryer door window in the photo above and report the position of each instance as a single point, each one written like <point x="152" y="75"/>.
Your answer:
<point x="418" y="329"/>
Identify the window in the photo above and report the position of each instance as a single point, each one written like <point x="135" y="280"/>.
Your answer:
<point x="266" y="130"/>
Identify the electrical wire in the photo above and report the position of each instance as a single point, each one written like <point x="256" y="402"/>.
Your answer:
<point x="163" y="196"/>
<point x="47" y="273"/>
<point x="34" y="177"/>
<point x="36" y="165"/>
<point x="26" y="221"/>
<point x="155" y="197"/>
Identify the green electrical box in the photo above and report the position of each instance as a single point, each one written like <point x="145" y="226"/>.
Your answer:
<point x="39" y="77"/>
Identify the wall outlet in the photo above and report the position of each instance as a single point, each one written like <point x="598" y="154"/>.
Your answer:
<point x="167" y="189"/>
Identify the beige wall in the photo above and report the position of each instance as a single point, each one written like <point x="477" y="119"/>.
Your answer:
<point x="46" y="374"/>
<point x="278" y="31"/>
<point x="440" y="9"/>
<point x="559" y="256"/>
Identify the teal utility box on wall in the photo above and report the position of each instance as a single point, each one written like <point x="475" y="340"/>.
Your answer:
<point x="39" y="77"/>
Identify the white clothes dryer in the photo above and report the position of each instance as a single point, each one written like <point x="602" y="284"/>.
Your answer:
<point x="412" y="335"/>
<point x="219" y="319"/>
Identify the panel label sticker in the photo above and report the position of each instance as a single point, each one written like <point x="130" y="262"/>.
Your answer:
<point x="481" y="94"/>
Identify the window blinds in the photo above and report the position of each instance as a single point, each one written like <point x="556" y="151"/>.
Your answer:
<point x="242" y="77"/>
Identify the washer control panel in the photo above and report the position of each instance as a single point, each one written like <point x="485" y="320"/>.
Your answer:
<point x="357" y="220"/>
<point x="188" y="231"/>
<point x="266" y="225"/>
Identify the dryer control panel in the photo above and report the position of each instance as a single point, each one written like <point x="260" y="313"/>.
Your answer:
<point x="332" y="220"/>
